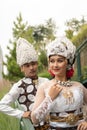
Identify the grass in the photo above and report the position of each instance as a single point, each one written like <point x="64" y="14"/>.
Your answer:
<point x="7" y="122"/>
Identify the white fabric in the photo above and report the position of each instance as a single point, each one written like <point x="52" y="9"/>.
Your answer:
<point x="60" y="104"/>
<point x="13" y="95"/>
<point x="25" y="52"/>
<point x="62" y="46"/>
<point x="43" y="109"/>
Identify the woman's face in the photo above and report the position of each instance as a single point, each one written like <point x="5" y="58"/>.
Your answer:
<point x="58" y="65"/>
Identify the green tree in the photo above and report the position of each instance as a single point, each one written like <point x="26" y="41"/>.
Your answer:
<point x="73" y="26"/>
<point x="43" y="34"/>
<point x="42" y="61"/>
<point x="81" y="35"/>
<point x="13" y="70"/>
<point x="19" y="28"/>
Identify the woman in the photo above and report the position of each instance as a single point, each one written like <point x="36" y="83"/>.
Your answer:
<point x="59" y="101"/>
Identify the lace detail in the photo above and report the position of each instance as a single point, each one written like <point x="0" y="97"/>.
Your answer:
<point x="43" y="109"/>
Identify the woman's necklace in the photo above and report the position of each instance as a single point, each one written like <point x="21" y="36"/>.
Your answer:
<point x="66" y="92"/>
<point x="64" y="83"/>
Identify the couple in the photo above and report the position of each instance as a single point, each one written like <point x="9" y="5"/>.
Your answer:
<point x="58" y="103"/>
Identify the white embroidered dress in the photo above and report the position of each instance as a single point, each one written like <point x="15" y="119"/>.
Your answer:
<point x="62" y="104"/>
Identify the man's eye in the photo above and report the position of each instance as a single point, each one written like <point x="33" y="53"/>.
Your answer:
<point x="27" y="65"/>
<point x="52" y="61"/>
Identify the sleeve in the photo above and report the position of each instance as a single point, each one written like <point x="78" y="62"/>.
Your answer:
<point x="85" y="94"/>
<point x="42" y="106"/>
<point x="6" y="101"/>
<point x="43" y="109"/>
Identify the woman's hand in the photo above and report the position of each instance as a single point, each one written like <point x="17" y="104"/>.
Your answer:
<point x="26" y="114"/>
<point x="82" y="126"/>
<point x="54" y="91"/>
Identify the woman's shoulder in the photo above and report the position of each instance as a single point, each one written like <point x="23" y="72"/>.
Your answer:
<point x="77" y="84"/>
<point x="42" y="80"/>
<point x="46" y="84"/>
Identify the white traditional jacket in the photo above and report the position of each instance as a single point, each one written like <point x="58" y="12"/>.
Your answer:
<point x="24" y="91"/>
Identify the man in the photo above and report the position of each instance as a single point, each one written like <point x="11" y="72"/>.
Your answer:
<point x="24" y="90"/>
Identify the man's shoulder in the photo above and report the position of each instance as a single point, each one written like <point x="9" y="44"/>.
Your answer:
<point x="18" y="82"/>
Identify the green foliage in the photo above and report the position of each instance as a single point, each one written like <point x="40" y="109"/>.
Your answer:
<point x="77" y="30"/>
<point x="84" y="70"/>
<point x="81" y="36"/>
<point x="69" y="33"/>
<point x="14" y="72"/>
<point x="73" y="26"/>
<point x="45" y="74"/>
<point x="43" y="34"/>
<point x="42" y="61"/>
<point x="19" y="27"/>
<point x="8" y="123"/>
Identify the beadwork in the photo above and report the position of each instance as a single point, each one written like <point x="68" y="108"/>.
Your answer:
<point x="64" y="83"/>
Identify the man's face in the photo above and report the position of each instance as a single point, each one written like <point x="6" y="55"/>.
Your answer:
<point x="30" y="69"/>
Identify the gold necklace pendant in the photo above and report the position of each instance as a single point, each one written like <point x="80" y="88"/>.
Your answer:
<point x="35" y="81"/>
<point x="68" y="95"/>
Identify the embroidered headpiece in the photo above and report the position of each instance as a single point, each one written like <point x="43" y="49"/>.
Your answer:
<point x="62" y="46"/>
<point x="25" y="52"/>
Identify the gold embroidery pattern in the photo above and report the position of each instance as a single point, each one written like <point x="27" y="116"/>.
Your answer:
<point x="68" y="95"/>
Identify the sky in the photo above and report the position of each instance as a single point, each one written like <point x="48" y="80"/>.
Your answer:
<point x="37" y="12"/>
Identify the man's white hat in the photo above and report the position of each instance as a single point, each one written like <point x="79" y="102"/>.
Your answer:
<point x="62" y="46"/>
<point x="25" y="52"/>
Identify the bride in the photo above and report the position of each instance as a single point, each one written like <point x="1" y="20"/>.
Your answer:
<point x="59" y="101"/>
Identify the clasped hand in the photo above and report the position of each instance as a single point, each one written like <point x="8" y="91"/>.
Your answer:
<point x="54" y="91"/>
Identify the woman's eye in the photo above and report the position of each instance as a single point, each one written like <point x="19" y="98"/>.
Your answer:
<point x="33" y="64"/>
<point x="60" y="61"/>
